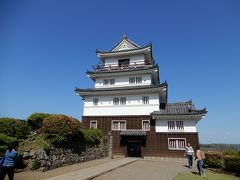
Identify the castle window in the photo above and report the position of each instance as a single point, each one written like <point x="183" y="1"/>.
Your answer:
<point x="175" y="125"/>
<point x="138" y="80"/>
<point x="135" y="80"/>
<point x="119" y="101"/>
<point x="95" y="101"/>
<point x="176" y="143"/>
<point x="123" y="62"/>
<point x="118" y="125"/>
<point x="122" y="101"/>
<point x="146" y="125"/>
<point x="116" y="101"/>
<point x="112" y="81"/>
<point x="145" y="99"/>
<point x="108" y="81"/>
<point x="93" y="124"/>
<point x="132" y="80"/>
<point x="105" y="81"/>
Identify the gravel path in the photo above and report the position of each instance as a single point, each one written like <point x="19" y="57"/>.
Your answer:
<point x="146" y="170"/>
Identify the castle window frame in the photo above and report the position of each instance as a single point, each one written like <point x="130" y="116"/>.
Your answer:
<point x="176" y="143"/>
<point x="118" y="125"/>
<point x="95" y="101"/>
<point x="144" y="126"/>
<point x="93" y="124"/>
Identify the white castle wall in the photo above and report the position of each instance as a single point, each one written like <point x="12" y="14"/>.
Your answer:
<point x="134" y="106"/>
<point x="123" y="81"/>
<point x="138" y="59"/>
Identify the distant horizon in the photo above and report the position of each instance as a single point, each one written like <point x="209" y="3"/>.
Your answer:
<point x="47" y="46"/>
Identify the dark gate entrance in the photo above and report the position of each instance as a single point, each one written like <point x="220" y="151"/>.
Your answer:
<point x="134" y="149"/>
<point x="134" y="142"/>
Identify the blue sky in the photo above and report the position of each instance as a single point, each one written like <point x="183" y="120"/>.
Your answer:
<point x="47" y="46"/>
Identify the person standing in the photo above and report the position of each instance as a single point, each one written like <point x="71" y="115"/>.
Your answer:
<point x="199" y="157"/>
<point x="190" y="154"/>
<point x="10" y="158"/>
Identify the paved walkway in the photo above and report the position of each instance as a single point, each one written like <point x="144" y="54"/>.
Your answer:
<point x="91" y="172"/>
<point x="147" y="169"/>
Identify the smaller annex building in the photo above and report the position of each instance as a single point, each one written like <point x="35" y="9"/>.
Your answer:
<point x="129" y="102"/>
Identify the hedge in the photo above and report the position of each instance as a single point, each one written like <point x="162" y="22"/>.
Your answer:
<point x="228" y="161"/>
<point x="61" y="129"/>
<point x="14" y="128"/>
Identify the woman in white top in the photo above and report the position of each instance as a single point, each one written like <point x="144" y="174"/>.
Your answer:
<point x="189" y="153"/>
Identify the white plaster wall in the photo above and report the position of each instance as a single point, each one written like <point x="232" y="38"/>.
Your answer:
<point x="123" y="81"/>
<point x="138" y="59"/>
<point x="134" y="106"/>
<point x="189" y="126"/>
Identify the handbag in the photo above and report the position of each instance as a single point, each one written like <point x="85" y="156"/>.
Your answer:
<point x="2" y="161"/>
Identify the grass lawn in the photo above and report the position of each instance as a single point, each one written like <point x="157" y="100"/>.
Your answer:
<point x="209" y="175"/>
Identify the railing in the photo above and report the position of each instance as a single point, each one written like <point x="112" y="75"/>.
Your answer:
<point x="102" y="67"/>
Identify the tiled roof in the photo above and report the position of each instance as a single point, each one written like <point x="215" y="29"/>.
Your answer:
<point x="133" y="133"/>
<point x="130" y="69"/>
<point x="128" y="40"/>
<point x="121" y="88"/>
<point x="122" y="51"/>
<point x="182" y="108"/>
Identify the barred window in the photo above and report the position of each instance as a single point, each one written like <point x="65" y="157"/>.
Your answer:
<point x="95" y="101"/>
<point x="176" y="144"/>
<point x="145" y="100"/>
<point x="112" y="81"/>
<point x="116" y="101"/>
<point x="135" y="80"/>
<point x="146" y="125"/>
<point x="118" y="125"/>
<point x="171" y="125"/>
<point x="138" y="80"/>
<point x="175" y="125"/>
<point x="93" y="124"/>
<point x="105" y="81"/>
<point x="179" y="125"/>
<point x="122" y="101"/>
<point x="119" y="101"/>
<point x="132" y="80"/>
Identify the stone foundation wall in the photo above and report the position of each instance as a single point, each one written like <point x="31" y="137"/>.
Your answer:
<point x="62" y="156"/>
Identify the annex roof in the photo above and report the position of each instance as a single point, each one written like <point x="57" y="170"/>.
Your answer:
<point x="181" y="108"/>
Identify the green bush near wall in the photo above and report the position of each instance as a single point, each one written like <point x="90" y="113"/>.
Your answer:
<point x="93" y="136"/>
<point x="214" y="160"/>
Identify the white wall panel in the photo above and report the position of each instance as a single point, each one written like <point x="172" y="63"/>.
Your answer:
<point x="189" y="126"/>
<point x="123" y="81"/>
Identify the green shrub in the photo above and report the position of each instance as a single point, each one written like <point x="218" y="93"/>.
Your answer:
<point x="14" y="128"/>
<point x="232" y="164"/>
<point x="61" y="129"/>
<point x="214" y="159"/>
<point x="35" y="120"/>
<point x="5" y="141"/>
<point x="93" y="136"/>
<point x="35" y="165"/>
